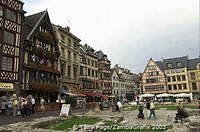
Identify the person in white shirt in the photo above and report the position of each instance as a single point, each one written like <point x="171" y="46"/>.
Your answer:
<point x="33" y="104"/>
<point x="119" y="105"/>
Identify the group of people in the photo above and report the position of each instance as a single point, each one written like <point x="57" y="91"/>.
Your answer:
<point x="150" y="110"/>
<point x="17" y="106"/>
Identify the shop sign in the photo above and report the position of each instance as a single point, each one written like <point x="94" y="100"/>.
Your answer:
<point x="6" y="85"/>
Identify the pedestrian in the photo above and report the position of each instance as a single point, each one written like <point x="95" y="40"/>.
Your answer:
<point x="3" y="108"/>
<point x="141" y="114"/>
<point x="22" y="107"/>
<point x="42" y="102"/>
<point x="33" y="104"/>
<point x="10" y="106"/>
<point x="180" y="114"/>
<point x="119" y="105"/>
<point x="28" y="108"/>
<point x="148" y="108"/>
<point x="152" y="110"/>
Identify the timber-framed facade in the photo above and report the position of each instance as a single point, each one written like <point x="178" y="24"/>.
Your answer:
<point x="11" y="18"/>
<point x="41" y="53"/>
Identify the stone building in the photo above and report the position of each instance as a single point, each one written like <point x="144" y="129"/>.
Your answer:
<point x="69" y="60"/>
<point x="123" y="83"/>
<point x="11" y="18"/>
<point x="41" y="53"/>
<point x="118" y="84"/>
<point x="89" y="82"/>
<point x="172" y="75"/>
<point x="104" y="73"/>
<point x="193" y="73"/>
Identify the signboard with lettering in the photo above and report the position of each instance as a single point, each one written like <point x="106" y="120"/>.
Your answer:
<point x="65" y="110"/>
<point x="6" y="85"/>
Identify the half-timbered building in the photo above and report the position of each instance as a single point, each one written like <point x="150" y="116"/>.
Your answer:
<point x="11" y="15"/>
<point x="40" y="74"/>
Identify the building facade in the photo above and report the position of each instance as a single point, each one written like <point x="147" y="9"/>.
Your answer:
<point x="194" y="77"/>
<point x="41" y="52"/>
<point x="118" y="84"/>
<point x="175" y="75"/>
<point x="69" y="60"/>
<point x="123" y="83"/>
<point x="104" y="72"/>
<point x="153" y="78"/>
<point x="89" y="82"/>
<point x="11" y="17"/>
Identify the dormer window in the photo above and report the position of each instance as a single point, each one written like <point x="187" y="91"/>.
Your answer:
<point x="178" y="64"/>
<point x="169" y="65"/>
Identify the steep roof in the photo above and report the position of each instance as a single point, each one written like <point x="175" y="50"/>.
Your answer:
<point x="88" y="50"/>
<point x="185" y="62"/>
<point x="33" y="21"/>
<point x="192" y="64"/>
<point x="174" y="62"/>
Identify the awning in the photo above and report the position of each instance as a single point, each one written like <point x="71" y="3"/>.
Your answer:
<point x="79" y="94"/>
<point x="164" y="95"/>
<point x="146" y="95"/>
<point x="94" y="94"/>
<point x="182" y="95"/>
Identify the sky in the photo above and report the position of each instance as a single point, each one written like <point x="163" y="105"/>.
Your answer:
<point x="130" y="32"/>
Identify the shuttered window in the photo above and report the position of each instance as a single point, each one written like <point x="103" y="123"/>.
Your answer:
<point x="7" y="63"/>
<point x="9" y="38"/>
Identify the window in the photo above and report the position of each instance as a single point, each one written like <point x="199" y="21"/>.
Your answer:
<point x="62" y="51"/>
<point x="62" y="37"/>
<point x="169" y="87"/>
<point x="178" y="78"/>
<point x="9" y="37"/>
<point x="183" y="77"/>
<point x="184" y="86"/>
<point x="194" y="86"/>
<point x="193" y="75"/>
<point x="175" y="87"/>
<point x="169" y="65"/>
<point x="1" y="11"/>
<point x="75" y="57"/>
<point x="178" y="64"/>
<point x="173" y="78"/>
<point x="10" y="15"/>
<point x="62" y="69"/>
<point x="69" y="54"/>
<point x="179" y="86"/>
<point x="81" y="70"/>
<point x="88" y="72"/>
<point x="69" y="71"/>
<point x="69" y="41"/>
<point x="169" y="79"/>
<point x="7" y="63"/>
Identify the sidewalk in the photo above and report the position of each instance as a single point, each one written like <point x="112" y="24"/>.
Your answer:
<point x="5" y="120"/>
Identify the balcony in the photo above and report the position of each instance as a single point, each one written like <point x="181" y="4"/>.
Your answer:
<point x="41" y="67"/>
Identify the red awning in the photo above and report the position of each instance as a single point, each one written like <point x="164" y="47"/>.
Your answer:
<point x="94" y="94"/>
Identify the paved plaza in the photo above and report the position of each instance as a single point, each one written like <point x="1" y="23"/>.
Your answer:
<point x="19" y="124"/>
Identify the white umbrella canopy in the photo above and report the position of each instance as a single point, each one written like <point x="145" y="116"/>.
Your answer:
<point x="182" y="95"/>
<point x="147" y="95"/>
<point x="164" y="95"/>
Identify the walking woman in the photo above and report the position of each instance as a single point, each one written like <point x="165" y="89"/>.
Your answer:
<point x="141" y="114"/>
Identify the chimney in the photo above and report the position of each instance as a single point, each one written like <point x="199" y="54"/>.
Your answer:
<point x="67" y="28"/>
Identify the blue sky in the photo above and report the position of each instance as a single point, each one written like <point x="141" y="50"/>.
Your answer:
<point x="131" y="31"/>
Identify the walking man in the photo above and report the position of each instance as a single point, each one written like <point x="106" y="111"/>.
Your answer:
<point x="152" y="110"/>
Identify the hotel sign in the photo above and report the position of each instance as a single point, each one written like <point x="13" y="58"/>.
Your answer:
<point x="6" y="85"/>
